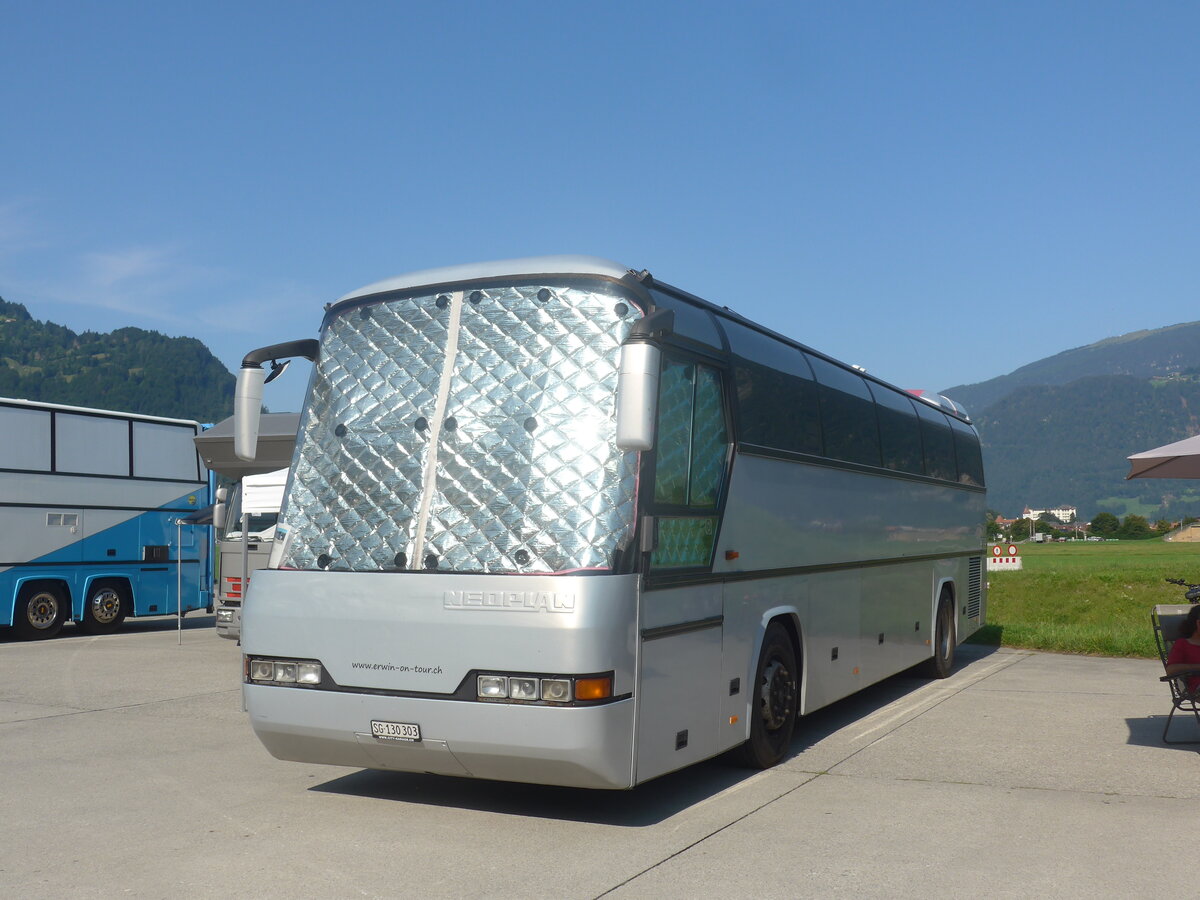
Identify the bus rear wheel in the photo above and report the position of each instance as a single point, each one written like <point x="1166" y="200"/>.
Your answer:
<point x="773" y="704"/>
<point x="105" y="608"/>
<point x="41" y="611"/>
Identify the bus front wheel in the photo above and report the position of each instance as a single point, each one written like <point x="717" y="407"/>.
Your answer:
<point x="41" y="611"/>
<point x="773" y="703"/>
<point x="105" y="608"/>
<point x="944" y="639"/>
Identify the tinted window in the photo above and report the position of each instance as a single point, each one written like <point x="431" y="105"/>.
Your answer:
<point x="692" y="442"/>
<point x="899" y="430"/>
<point x="32" y="450"/>
<point x="970" y="458"/>
<point x="674" y="438"/>
<point x="709" y="440"/>
<point x="776" y="395"/>
<point x="938" y="442"/>
<point x="691" y="452"/>
<point x="92" y="445"/>
<point x="690" y="321"/>
<point x="847" y="414"/>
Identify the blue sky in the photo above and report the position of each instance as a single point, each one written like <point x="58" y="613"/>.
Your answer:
<point x="938" y="191"/>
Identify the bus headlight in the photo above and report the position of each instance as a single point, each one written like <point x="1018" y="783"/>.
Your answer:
<point x="306" y="672"/>
<point x="262" y="670"/>
<point x="493" y="687"/>
<point x="556" y="689"/>
<point x="523" y="688"/>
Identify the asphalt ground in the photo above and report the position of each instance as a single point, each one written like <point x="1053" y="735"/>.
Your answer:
<point x="130" y="770"/>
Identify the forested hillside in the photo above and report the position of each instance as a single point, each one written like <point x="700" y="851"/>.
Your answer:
<point x="130" y="369"/>
<point x="1051" y="445"/>
<point x="1162" y="352"/>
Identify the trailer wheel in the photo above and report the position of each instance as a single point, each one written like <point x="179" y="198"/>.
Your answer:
<point x="942" y="661"/>
<point x="773" y="704"/>
<point x="40" y="613"/>
<point x="105" y="608"/>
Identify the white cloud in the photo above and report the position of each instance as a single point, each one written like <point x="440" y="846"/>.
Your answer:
<point x="18" y="230"/>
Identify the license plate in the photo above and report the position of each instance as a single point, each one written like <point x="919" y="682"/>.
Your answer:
<point x="396" y="731"/>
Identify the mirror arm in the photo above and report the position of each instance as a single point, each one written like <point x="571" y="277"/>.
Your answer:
<point x="247" y="397"/>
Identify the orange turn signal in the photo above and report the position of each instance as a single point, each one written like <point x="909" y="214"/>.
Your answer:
<point x="593" y="688"/>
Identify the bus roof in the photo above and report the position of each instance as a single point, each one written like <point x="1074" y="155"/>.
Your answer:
<point x="141" y="417"/>
<point x="503" y="268"/>
<point x="593" y="265"/>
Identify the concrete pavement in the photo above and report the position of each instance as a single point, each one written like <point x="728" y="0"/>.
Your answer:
<point x="131" y="770"/>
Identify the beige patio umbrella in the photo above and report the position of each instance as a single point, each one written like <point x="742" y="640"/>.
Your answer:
<point x="1178" y="460"/>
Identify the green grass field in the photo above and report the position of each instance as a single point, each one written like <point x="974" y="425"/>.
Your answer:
<point x="1092" y="598"/>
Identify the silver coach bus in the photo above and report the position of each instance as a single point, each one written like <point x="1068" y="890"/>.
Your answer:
<point x="551" y="520"/>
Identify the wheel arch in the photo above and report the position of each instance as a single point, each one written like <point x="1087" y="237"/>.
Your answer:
<point x="33" y="583"/>
<point x="21" y="582"/>
<point x="120" y="579"/>
<point x="789" y="617"/>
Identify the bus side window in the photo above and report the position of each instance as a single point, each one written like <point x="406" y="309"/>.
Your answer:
<point x="939" y="443"/>
<point x="970" y="457"/>
<point x="899" y="430"/>
<point x="674" y="441"/>
<point x="691" y="451"/>
<point x="710" y="440"/>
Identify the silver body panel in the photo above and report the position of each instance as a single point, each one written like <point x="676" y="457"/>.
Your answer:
<point x="860" y="528"/>
<point x="425" y="633"/>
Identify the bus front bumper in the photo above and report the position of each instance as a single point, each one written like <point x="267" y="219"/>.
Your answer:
<point x="589" y="747"/>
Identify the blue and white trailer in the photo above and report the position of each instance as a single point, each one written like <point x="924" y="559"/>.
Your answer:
<point x="92" y="504"/>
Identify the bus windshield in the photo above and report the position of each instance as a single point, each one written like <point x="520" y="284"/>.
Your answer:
<point x="466" y="431"/>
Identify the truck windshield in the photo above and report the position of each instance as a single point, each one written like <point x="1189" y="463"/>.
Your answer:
<point x="261" y="524"/>
<point x="465" y="431"/>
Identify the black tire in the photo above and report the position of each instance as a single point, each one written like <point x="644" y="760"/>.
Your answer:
<point x="40" y="612"/>
<point x="941" y="664"/>
<point x="105" y="607"/>
<point x="776" y="692"/>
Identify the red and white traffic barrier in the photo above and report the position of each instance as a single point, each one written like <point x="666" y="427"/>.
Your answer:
<point x="1004" y="558"/>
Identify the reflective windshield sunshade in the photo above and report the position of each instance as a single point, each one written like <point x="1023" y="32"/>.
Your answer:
<point x="466" y="431"/>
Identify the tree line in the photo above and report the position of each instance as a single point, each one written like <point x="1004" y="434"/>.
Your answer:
<point x="1103" y="525"/>
<point x="129" y="369"/>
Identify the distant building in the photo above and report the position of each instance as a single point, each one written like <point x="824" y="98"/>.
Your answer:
<point x="1064" y="514"/>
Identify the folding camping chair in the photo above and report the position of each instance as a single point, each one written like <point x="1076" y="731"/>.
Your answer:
<point x="1166" y="620"/>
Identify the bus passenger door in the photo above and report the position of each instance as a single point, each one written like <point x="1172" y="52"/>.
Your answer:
<point x="681" y="618"/>
<point x="680" y="694"/>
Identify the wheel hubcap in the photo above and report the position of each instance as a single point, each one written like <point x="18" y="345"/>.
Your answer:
<point x="106" y="604"/>
<point x="42" y="610"/>
<point x="778" y="695"/>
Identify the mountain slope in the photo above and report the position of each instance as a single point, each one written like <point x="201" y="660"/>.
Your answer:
<point x="130" y="369"/>
<point x="1067" y="444"/>
<point x="1159" y="352"/>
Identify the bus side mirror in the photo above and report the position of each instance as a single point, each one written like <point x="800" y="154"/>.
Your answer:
<point x="220" y="508"/>
<point x="247" y="408"/>
<point x="637" y="395"/>
<point x="247" y="398"/>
